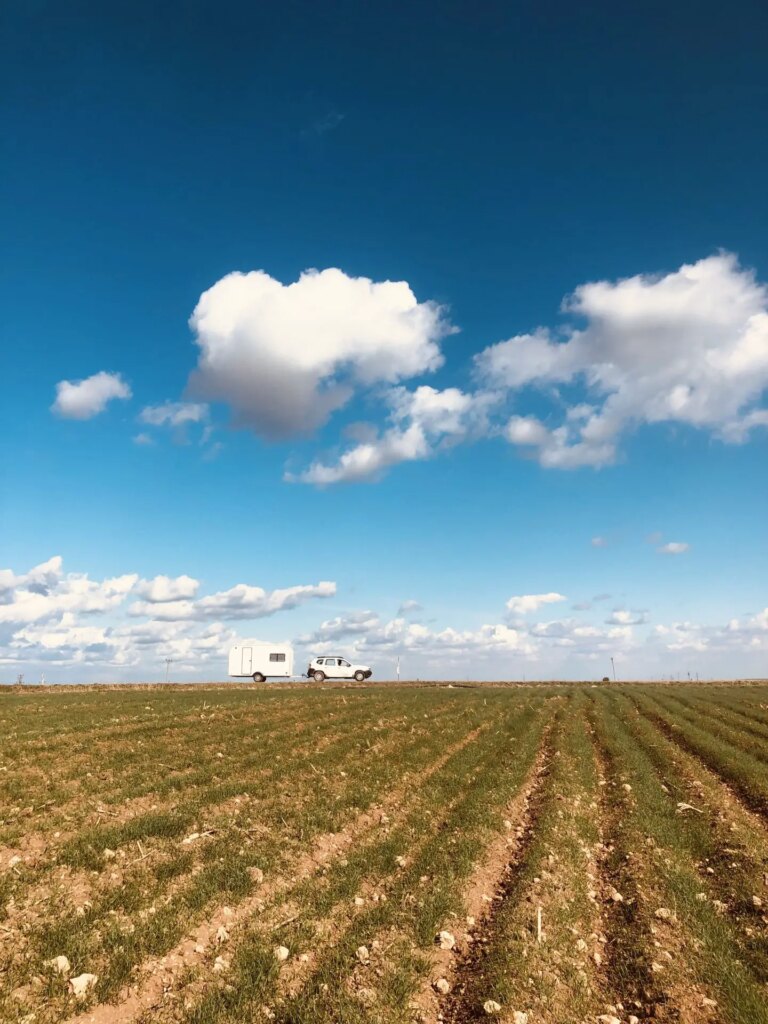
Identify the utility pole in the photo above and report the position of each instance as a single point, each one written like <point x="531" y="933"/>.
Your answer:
<point x="614" y="669"/>
<point x="168" y="662"/>
<point x="398" y="668"/>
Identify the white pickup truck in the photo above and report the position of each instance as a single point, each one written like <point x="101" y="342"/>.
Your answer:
<point x="336" y="668"/>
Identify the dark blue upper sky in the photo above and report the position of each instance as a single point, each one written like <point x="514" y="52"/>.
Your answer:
<point x="494" y="156"/>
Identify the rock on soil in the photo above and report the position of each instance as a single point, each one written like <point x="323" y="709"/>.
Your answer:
<point x="82" y="984"/>
<point x="59" y="964"/>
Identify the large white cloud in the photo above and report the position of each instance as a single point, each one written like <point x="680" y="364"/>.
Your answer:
<point x="284" y="357"/>
<point x="423" y="421"/>
<point x="687" y="347"/>
<point x="84" y="399"/>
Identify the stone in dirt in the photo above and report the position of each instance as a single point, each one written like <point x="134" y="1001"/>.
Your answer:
<point x="257" y="875"/>
<point x="222" y="934"/>
<point x="60" y="964"/>
<point x="220" y="964"/>
<point x="362" y="954"/>
<point x="445" y="940"/>
<point x="82" y="984"/>
<point x="443" y="986"/>
<point x="491" y="1006"/>
<point x="664" y="914"/>
<point x="518" y="1017"/>
<point x="608" y="1018"/>
<point x="282" y="953"/>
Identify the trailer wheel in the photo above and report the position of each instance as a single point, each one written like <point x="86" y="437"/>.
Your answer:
<point x="259" y="678"/>
<point x="359" y="676"/>
<point x="318" y="676"/>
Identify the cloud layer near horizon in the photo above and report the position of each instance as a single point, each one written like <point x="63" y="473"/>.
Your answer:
<point x="128" y="626"/>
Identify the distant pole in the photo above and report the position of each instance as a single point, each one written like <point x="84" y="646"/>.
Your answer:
<point x="614" y="670"/>
<point x="167" y="667"/>
<point x="398" y="668"/>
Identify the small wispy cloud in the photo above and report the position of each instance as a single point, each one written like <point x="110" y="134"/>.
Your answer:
<point x="599" y="542"/>
<point x="673" y="547"/>
<point x="522" y="604"/>
<point x="324" y="124"/>
<point x="143" y="439"/>
<point x="623" y="617"/>
<point x="408" y="606"/>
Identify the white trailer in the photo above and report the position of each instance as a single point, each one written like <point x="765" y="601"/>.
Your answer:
<point x="260" y="660"/>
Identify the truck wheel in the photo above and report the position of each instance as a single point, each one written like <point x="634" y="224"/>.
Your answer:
<point x="259" y="678"/>
<point x="318" y="676"/>
<point x="359" y="676"/>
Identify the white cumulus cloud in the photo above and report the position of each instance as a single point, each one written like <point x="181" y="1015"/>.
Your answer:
<point x="687" y="347"/>
<point x="284" y="357"/>
<point x="167" y="588"/>
<point x="239" y="602"/>
<point x="424" y="421"/>
<point x="84" y="399"/>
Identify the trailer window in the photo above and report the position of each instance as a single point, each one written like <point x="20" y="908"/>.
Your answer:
<point x="277" y="657"/>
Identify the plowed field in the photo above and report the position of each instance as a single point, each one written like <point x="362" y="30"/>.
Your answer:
<point x="549" y="855"/>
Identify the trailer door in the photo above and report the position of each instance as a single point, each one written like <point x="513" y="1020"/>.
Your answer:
<point x="246" y="667"/>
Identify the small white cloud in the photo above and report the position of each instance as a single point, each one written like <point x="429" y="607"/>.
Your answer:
<point x="673" y="547"/>
<point x="522" y="604"/>
<point x="143" y="439"/>
<point x="174" y="414"/>
<point x="84" y="399"/>
<point x="599" y="542"/>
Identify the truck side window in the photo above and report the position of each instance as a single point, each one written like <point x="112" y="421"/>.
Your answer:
<point x="277" y="657"/>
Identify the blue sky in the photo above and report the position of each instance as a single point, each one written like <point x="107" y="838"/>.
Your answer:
<point x="534" y="352"/>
